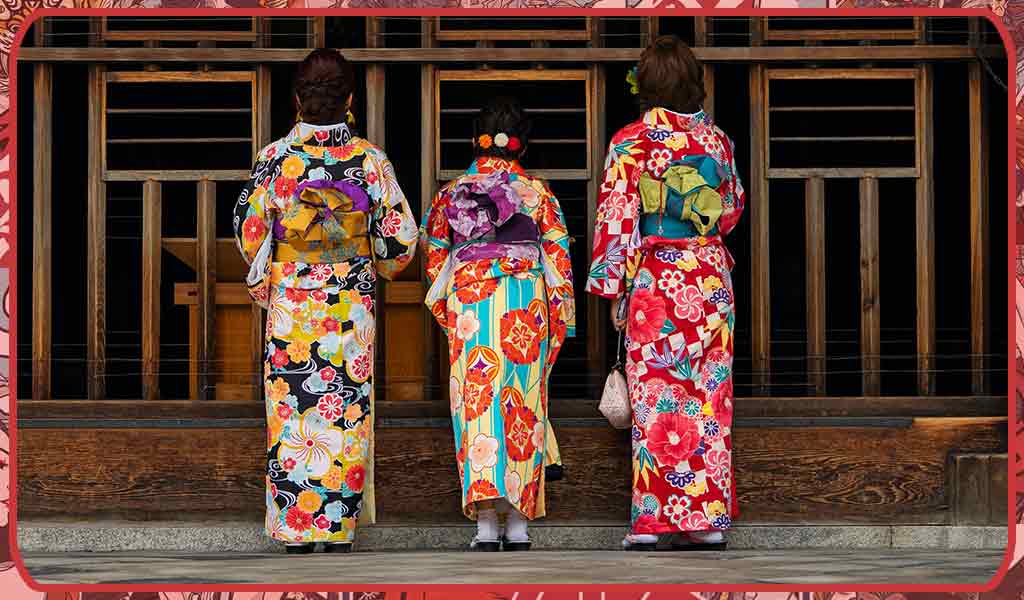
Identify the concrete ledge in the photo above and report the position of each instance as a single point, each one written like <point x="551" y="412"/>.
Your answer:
<point x="247" y="537"/>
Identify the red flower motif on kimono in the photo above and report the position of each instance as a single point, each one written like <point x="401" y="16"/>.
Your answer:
<point x="320" y="295"/>
<point x="391" y="224"/>
<point x="284" y="411"/>
<point x="477" y="398"/>
<point x="519" y="423"/>
<point x="284" y="187"/>
<point x="520" y="336"/>
<point x="721" y="401"/>
<point x="322" y="522"/>
<point x="689" y="303"/>
<point x="298" y="519"/>
<point x="289" y="269"/>
<point x="646" y="316"/>
<point x="477" y="291"/>
<point x="320" y="135"/>
<point x="330" y="407"/>
<point x="280" y="358"/>
<point x="295" y="295"/>
<point x="355" y="478"/>
<point x="481" y="489"/>
<point x="328" y="374"/>
<point x="529" y="498"/>
<point x="331" y="325"/>
<point x="673" y="438"/>
<point x="253" y="229"/>
<point x="646" y="524"/>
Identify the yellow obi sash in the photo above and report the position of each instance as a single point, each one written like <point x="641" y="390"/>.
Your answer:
<point x="327" y="223"/>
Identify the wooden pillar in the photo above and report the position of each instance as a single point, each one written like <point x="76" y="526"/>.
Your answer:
<point x="42" y="231"/>
<point x="870" y="316"/>
<point x="206" y="273"/>
<point x="428" y="187"/>
<point x="597" y="309"/>
<point x="980" y="323"/>
<point x="814" y="210"/>
<point x="316" y="32"/>
<point x="262" y="136"/>
<point x="924" y="233"/>
<point x="757" y="30"/>
<point x="96" y="219"/>
<point x="700" y="31"/>
<point x="760" y="287"/>
<point x="152" y="207"/>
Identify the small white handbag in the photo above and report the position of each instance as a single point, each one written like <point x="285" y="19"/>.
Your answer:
<point x="615" y="398"/>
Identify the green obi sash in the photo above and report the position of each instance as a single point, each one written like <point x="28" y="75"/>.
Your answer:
<point x="685" y="201"/>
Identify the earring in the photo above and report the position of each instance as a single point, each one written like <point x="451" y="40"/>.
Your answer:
<point x="298" y="116"/>
<point x="350" y="118"/>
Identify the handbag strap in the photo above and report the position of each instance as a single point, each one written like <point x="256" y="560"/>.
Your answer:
<point x="618" y="354"/>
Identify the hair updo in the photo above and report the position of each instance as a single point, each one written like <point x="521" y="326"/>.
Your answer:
<point x="670" y="76"/>
<point x="323" y="82"/>
<point x="501" y="115"/>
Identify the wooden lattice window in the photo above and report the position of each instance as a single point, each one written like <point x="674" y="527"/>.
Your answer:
<point x="829" y="121"/>
<point x="183" y="30"/>
<point x="842" y="29"/>
<point x="558" y="101"/>
<point x="168" y="121"/>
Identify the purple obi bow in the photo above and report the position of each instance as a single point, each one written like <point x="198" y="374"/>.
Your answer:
<point x="487" y="208"/>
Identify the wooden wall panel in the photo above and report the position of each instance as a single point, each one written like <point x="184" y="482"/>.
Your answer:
<point x="855" y="473"/>
<point x="42" y="229"/>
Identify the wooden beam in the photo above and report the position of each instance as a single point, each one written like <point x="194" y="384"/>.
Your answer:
<point x="709" y="89"/>
<point x="152" y="209"/>
<point x="494" y="35"/>
<point x="760" y="285"/>
<point x="433" y="55"/>
<point x="96" y="253"/>
<point x="375" y="103"/>
<point x="181" y="77"/>
<point x="700" y="31"/>
<point x="870" y="316"/>
<point x="979" y="202"/>
<point x="844" y="173"/>
<point x="180" y="174"/>
<point x="814" y="209"/>
<point x="206" y="276"/>
<point x="42" y="229"/>
<point x="437" y="348"/>
<point x="924" y="234"/>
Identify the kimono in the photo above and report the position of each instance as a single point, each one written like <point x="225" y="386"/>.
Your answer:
<point x="320" y="219"/>
<point x="670" y="192"/>
<point x="497" y="261"/>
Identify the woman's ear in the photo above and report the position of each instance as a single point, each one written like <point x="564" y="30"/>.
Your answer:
<point x="348" y="103"/>
<point x="298" y="104"/>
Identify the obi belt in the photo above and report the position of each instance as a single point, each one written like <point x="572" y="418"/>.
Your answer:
<point x="486" y="219"/>
<point x="684" y="202"/>
<point x="328" y="222"/>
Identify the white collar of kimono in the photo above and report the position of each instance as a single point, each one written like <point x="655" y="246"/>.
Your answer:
<point x="307" y="129"/>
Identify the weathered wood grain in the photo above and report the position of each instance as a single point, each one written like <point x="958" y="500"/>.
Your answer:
<point x="42" y="229"/>
<point x="784" y="475"/>
<point x="152" y="209"/>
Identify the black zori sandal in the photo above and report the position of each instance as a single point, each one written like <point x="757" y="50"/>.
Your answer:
<point x="509" y="546"/>
<point x="479" y="545"/>
<point x="299" y="548"/>
<point x="338" y="547"/>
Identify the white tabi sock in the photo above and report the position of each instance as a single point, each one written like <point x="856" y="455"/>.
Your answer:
<point x="487" y="525"/>
<point x="515" y="527"/>
<point x="706" y="537"/>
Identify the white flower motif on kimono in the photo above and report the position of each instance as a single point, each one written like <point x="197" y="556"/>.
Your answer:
<point x="658" y="161"/>
<point x="330" y="406"/>
<point x="676" y="509"/>
<point x="513" y="486"/>
<point x="311" y="443"/>
<point x="538" y="435"/>
<point x="455" y="395"/>
<point x="466" y="325"/>
<point x="671" y="281"/>
<point x="483" y="453"/>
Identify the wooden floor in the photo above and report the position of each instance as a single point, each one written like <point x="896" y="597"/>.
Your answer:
<point x="872" y="566"/>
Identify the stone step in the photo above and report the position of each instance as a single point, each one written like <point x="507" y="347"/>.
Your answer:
<point x="246" y="537"/>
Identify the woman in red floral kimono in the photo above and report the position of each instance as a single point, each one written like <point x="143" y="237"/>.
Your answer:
<point x="670" y="193"/>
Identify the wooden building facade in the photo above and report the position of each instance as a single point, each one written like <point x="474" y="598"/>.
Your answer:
<point x="871" y="374"/>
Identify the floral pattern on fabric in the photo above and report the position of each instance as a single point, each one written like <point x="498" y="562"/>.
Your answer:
<point x="680" y="318"/>
<point x="328" y="206"/>
<point x="506" y="314"/>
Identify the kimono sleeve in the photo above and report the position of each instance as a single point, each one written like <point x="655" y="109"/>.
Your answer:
<point x="253" y="215"/>
<point x="253" y="223"/>
<point x="734" y="197"/>
<point x="616" y="231"/>
<point x="436" y="236"/>
<point x="555" y="245"/>
<point x="393" y="230"/>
